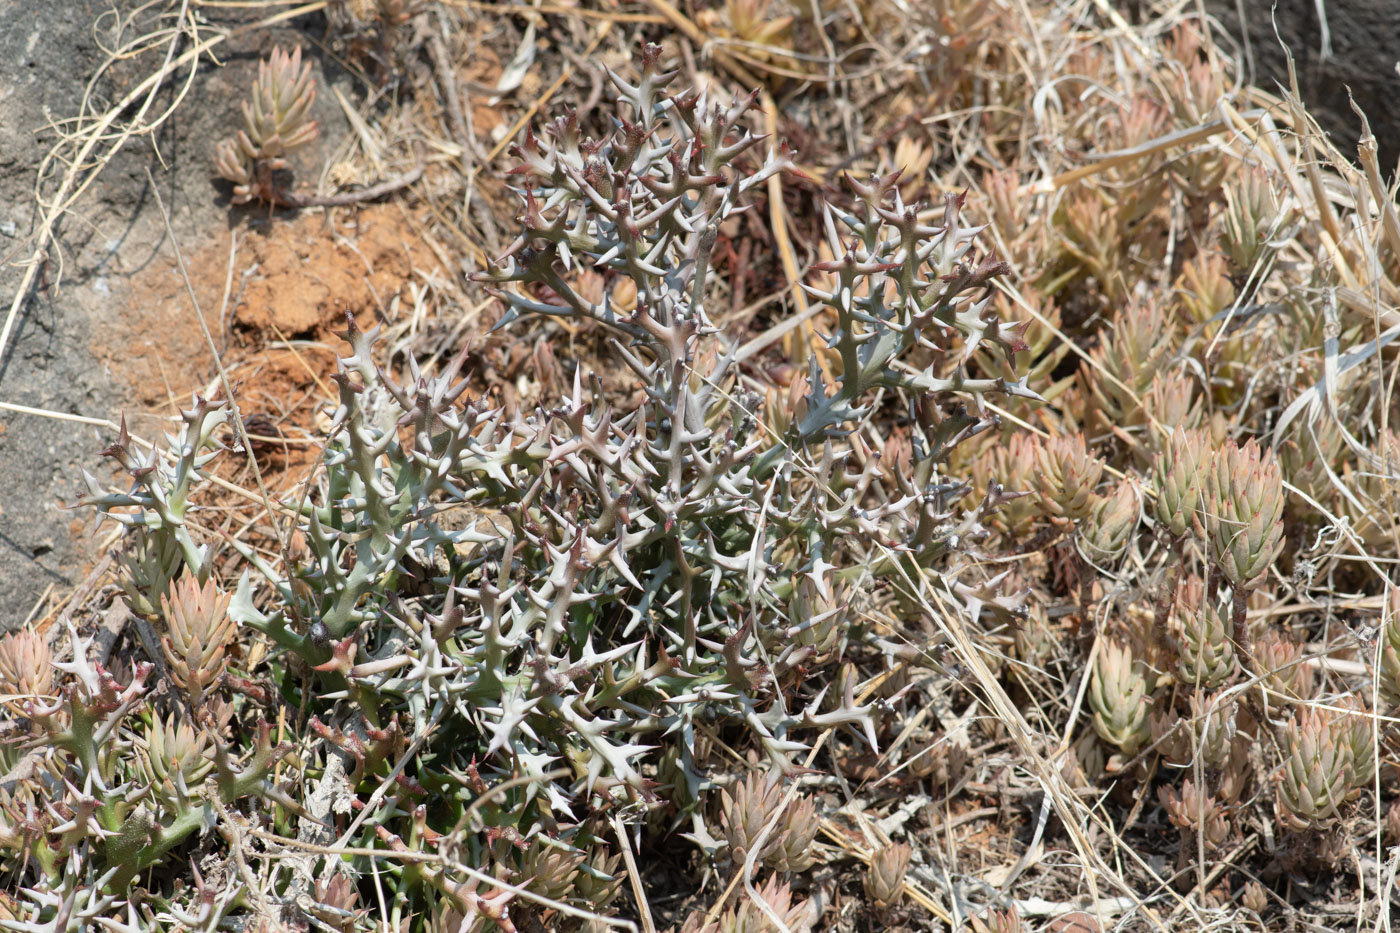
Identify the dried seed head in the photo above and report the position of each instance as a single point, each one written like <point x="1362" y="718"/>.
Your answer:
<point x="884" y="879"/>
<point x="1317" y="774"/>
<point x="1109" y="526"/>
<point x="1179" y="474"/>
<point x="26" y="671"/>
<point x="1067" y="477"/>
<point x="1205" y="651"/>
<point x="1118" y="694"/>
<point x="1241" y="515"/>
<point x="199" y="632"/>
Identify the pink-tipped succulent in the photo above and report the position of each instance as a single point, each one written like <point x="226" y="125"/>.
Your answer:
<point x="1118" y="695"/>
<point x="26" y="670"/>
<point x="275" y="124"/>
<point x="1106" y="532"/>
<point x="1318" y="770"/>
<point x="200" y="630"/>
<point x="1206" y="654"/>
<point x="884" y="878"/>
<point x="1196" y="813"/>
<point x="1066" y="478"/>
<point x="1241" y="515"/>
<point x="749" y="806"/>
<point x="1179" y="474"/>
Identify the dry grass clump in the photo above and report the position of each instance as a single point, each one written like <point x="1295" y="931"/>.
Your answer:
<point x="913" y="583"/>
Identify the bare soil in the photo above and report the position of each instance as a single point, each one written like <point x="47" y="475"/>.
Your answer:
<point x="109" y="331"/>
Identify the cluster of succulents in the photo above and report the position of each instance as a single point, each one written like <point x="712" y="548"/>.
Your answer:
<point x="508" y="643"/>
<point x="491" y="691"/>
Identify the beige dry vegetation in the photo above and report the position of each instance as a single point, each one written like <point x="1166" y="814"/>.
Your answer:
<point x="1162" y="694"/>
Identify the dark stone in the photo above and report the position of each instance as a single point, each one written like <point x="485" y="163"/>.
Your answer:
<point x="1364" y="39"/>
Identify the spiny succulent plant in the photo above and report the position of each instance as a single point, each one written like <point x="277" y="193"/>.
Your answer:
<point x="121" y="801"/>
<point x="275" y="124"/>
<point x="1318" y="769"/>
<point x="884" y="878"/>
<point x="628" y="570"/>
<point x="1118" y="695"/>
<point x="157" y="506"/>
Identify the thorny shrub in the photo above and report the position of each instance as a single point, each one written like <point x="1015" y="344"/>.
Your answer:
<point x="488" y="696"/>
<point x="510" y="636"/>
